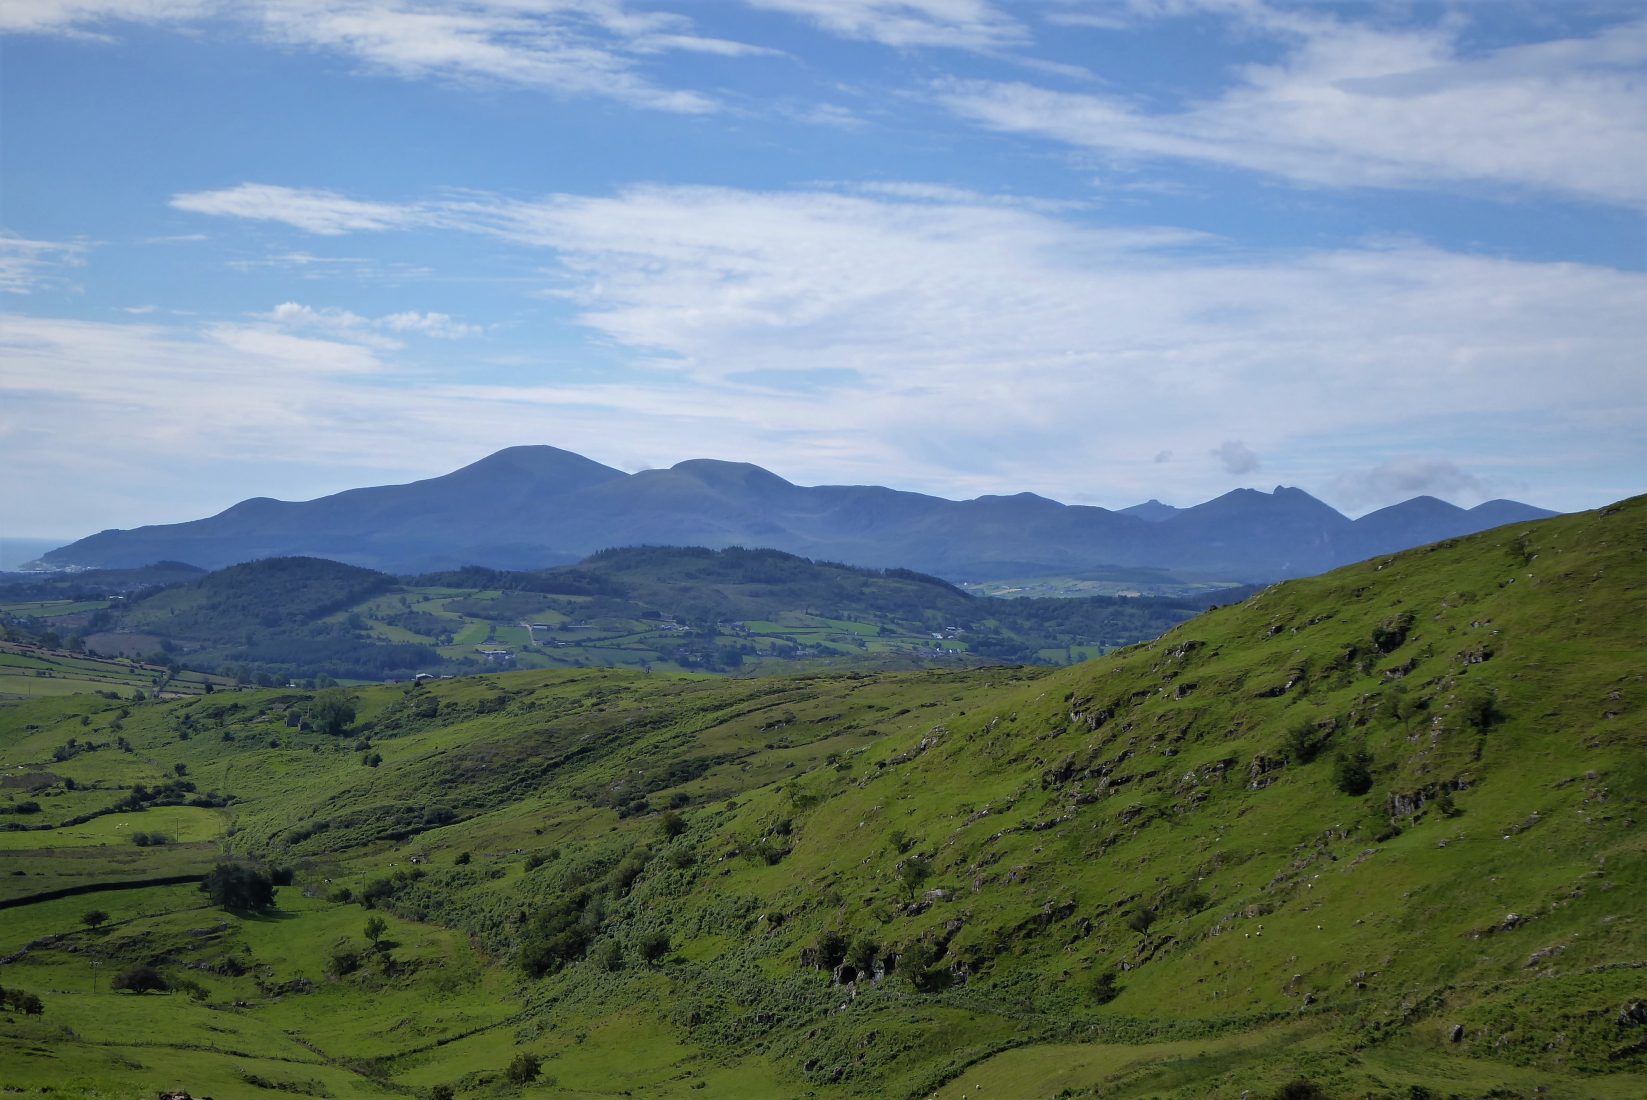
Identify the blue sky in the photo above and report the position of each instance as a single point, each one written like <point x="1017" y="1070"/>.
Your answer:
<point x="1102" y="250"/>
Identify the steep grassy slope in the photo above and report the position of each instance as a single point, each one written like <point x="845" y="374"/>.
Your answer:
<point x="1378" y="829"/>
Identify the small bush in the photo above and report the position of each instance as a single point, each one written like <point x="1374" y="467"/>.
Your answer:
<point x="1478" y="708"/>
<point x="862" y="954"/>
<point x="1350" y="775"/>
<point x="831" y="948"/>
<point x="29" y="1004"/>
<point x="1140" y="920"/>
<point x="1301" y="744"/>
<point x="1104" y="988"/>
<point x="654" y="946"/>
<point x="524" y="1069"/>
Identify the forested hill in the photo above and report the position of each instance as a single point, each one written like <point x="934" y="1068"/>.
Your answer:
<point x="278" y="595"/>
<point x="1370" y="834"/>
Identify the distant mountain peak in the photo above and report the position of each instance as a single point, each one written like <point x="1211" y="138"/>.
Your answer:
<point x="540" y="459"/>
<point x="537" y="505"/>
<point x="1152" y="510"/>
<point x="719" y="472"/>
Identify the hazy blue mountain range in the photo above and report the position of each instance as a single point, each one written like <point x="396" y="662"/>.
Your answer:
<point x="527" y="507"/>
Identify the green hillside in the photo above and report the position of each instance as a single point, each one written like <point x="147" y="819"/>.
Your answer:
<point x="1375" y="833"/>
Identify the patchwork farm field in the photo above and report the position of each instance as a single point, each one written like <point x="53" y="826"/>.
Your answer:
<point x="29" y="671"/>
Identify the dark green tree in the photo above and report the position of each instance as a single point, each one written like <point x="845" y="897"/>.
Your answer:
<point x="913" y="873"/>
<point x="239" y="887"/>
<point x="331" y="711"/>
<point x="140" y="978"/>
<point x="524" y="1069"/>
<point x="1351" y="775"/>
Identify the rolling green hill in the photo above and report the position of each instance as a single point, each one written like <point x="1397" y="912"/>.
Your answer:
<point x="657" y="608"/>
<point x="1375" y="833"/>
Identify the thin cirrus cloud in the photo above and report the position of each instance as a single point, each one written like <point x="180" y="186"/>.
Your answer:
<point x="28" y="265"/>
<point x="958" y="24"/>
<point x="324" y="213"/>
<point x="88" y="17"/>
<point x="567" y="48"/>
<point x="1353" y="105"/>
<point x="976" y="321"/>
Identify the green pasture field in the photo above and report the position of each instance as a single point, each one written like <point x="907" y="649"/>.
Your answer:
<point x="180" y="824"/>
<point x="48" y="609"/>
<point x="39" y="870"/>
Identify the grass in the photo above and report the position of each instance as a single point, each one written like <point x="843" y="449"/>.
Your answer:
<point x="1294" y="929"/>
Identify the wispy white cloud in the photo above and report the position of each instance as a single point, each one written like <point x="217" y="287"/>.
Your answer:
<point x="569" y="47"/>
<point x="961" y="24"/>
<point x="1354" y="105"/>
<point x="27" y="266"/>
<point x="832" y="115"/>
<point x="1024" y="346"/>
<point x="315" y="211"/>
<point x="561" y="47"/>
<point x="88" y="17"/>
